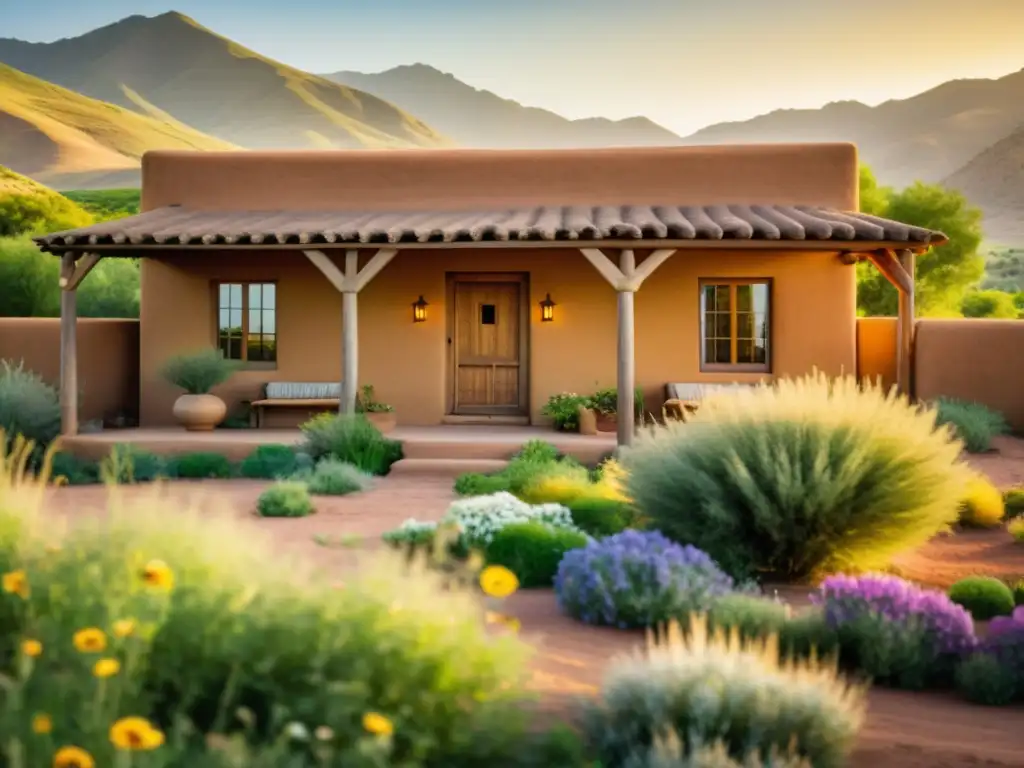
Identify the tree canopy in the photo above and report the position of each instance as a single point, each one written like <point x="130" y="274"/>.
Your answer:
<point x="997" y="304"/>
<point x="944" y="274"/>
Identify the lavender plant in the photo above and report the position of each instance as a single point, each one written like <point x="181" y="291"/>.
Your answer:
<point x="637" y="579"/>
<point x="995" y="673"/>
<point x="895" y="632"/>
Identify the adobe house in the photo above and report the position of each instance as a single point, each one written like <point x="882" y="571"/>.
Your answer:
<point x="474" y="284"/>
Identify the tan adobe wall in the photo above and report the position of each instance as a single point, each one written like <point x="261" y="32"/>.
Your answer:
<point x="876" y="349"/>
<point x="813" y="321"/>
<point x="976" y="360"/>
<point x="461" y="179"/>
<point x="108" y="360"/>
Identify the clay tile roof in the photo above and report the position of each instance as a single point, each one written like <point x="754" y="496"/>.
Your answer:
<point x="176" y="227"/>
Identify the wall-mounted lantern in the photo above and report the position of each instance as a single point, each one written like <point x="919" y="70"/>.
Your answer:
<point x="547" y="310"/>
<point x="419" y="310"/>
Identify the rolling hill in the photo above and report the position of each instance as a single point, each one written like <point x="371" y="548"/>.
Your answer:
<point x="479" y="118"/>
<point x="46" y="211"/>
<point x="994" y="180"/>
<point x="70" y="141"/>
<point x="171" y="68"/>
<point x="928" y="136"/>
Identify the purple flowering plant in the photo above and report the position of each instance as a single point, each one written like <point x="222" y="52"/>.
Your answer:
<point x="894" y="631"/>
<point x="637" y="579"/>
<point x="1005" y="642"/>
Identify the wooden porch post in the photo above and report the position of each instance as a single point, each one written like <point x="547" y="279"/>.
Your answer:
<point x="71" y="275"/>
<point x="626" y="279"/>
<point x="905" y="329"/>
<point x="349" y="284"/>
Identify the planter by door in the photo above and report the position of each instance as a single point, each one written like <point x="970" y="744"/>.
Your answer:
<point x="199" y="413"/>
<point x="607" y="422"/>
<point x="385" y="421"/>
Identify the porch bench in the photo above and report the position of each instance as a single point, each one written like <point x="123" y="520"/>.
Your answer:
<point x="682" y="399"/>
<point x="297" y="394"/>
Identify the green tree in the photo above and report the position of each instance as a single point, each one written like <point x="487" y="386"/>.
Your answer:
<point x="31" y="214"/>
<point x="944" y="274"/>
<point x="997" y="304"/>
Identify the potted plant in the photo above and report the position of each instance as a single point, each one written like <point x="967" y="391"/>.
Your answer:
<point x="381" y="415"/>
<point x="197" y="373"/>
<point x="605" y="405"/>
<point x="564" y="410"/>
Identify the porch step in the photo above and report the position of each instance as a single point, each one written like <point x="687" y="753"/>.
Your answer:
<point x="513" y="421"/>
<point x="446" y="467"/>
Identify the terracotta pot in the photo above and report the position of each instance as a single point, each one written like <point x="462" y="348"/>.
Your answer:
<point x="199" y="413"/>
<point x="607" y="422"/>
<point x="385" y="421"/>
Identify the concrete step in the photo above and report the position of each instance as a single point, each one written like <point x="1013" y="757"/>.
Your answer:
<point x="445" y="467"/>
<point x="468" y="450"/>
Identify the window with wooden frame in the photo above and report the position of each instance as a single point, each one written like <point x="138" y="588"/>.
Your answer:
<point x="247" y="323"/>
<point x="735" y="325"/>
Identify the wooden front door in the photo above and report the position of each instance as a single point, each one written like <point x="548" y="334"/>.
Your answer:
<point x="489" y="365"/>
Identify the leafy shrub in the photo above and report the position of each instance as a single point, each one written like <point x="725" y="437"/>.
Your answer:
<point x="1013" y="502"/>
<point x="73" y="470"/>
<point x="893" y="631"/>
<point x="336" y="478"/>
<point x="199" y="372"/>
<point x="983" y="597"/>
<point x="982" y="506"/>
<point x="37" y="213"/>
<point x="981" y="678"/>
<point x="222" y="626"/>
<point x="992" y="303"/>
<point x="28" y="405"/>
<point x="537" y="459"/>
<point x="200" y="465"/>
<point x="532" y="551"/>
<point x="564" y="410"/>
<point x="1016" y="529"/>
<point x="128" y="463"/>
<point x="807" y="476"/>
<point x="973" y="423"/>
<point x="477" y="484"/>
<point x="352" y="439"/>
<point x="366" y="402"/>
<point x="1018" y="592"/>
<point x="601" y="517"/>
<point x="269" y="462"/>
<point x="637" y="579"/>
<point x="285" y="498"/>
<point x="708" y="689"/>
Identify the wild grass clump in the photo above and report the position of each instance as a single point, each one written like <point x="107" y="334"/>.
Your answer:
<point x="332" y="477"/>
<point x="269" y="462"/>
<point x="1016" y="529"/>
<point x="352" y="439"/>
<point x="200" y="465"/>
<point x="28" y="406"/>
<point x="532" y="551"/>
<point x="1013" y="501"/>
<point x="212" y="639"/>
<point x="199" y="372"/>
<point x="710" y="686"/>
<point x="805" y="477"/>
<point x="285" y="498"/>
<point x="973" y="423"/>
<point x="984" y="597"/>
<point x="982" y="504"/>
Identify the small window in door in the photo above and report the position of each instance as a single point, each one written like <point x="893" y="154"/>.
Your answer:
<point x="488" y="313"/>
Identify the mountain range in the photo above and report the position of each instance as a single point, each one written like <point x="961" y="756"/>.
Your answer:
<point x="79" y="112"/>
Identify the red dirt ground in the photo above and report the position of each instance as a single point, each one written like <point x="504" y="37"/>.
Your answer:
<point x="903" y="730"/>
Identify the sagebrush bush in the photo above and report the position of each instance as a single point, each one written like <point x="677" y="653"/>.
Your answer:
<point x="983" y="596"/>
<point x="982" y="679"/>
<point x="532" y="551"/>
<point x="220" y="632"/>
<point x="72" y="470"/>
<point x="1013" y="502"/>
<point x="269" y="462"/>
<point x="199" y="372"/>
<point x="352" y="439"/>
<point x="285" y="498"/>
<point x="332" y="477"/>
<point x="128" y="463"/>
<point x="477" y="484"/>
<point x="982" y="504"/>
<point x="670" y="751"/>
<point x="755" y="617"/>
<point x="709" y="688"/>
<point x="804" y="477"/>
<point x="637" y="579"/>
<point x="200" y="465"/>
<point x="28" y="405"/>
<point x="973" y="423"/>
<point x="602" y="517"/>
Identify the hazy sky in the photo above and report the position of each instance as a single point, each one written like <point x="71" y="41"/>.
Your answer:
<point x="684" y="63"/>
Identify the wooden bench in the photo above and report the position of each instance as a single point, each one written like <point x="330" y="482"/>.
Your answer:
<point x="682" y="399"/>
<point x="314" y="395"/>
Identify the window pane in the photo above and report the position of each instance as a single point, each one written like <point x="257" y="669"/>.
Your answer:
<point x="760" y="352"/>
<point x="761" y="324"/>
<point x="760" y="291"/>
<point x="269" y="321"/>
<point x="709" y="351"/>
<point x="235" y="301"/>
<point x="255" y="296"/>
<point x="708" y="298"/>
<point x="255" y="326"/>
<point x="235" y="348"/>
<point x="745" y="351"/>
<point x="224" y="345"/>
<point x="223" y="324"/>
<point x="269" y="296"/>
<point x="236" y="319"/>
<point x="721" y="325"/>
<point x="269" y="347"/>
<point x="722" y="298"/>
<point x="745" y="325"/>
<point x="723" y="351"/>
<point x="743" y="297"/>
<point x="224" y="295"/>
<point x="488" y="313"/>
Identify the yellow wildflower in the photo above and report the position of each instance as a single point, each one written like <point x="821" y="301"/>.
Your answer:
<point x="73" y="757"/>
<point x="106" y="667"/>
<point x="377" y="724"/>
<point x="16" y="583"/>
<point x="41" y="723"/>
<point x="31" y="648"/>
<point x="135" y="733"/>
<point x="498" y="581"/>
<point x="124" y="627"/>
<point x="157" y="574"/>
<point x="90" y="640"/>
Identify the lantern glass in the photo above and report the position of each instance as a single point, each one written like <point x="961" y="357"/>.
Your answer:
<point x="419" y="310"/>
<point x="547" y="310"/>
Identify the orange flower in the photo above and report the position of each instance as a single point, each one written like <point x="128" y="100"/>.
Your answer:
<point x="124" y="627"/>
<point x="135" y="733"/>
<point x="498" y="581"/>
<point x="31" y="648"/>
<point x="41" y="723"/>
<point x="157" y="574"/>
<point x="377" y="724"/>
<point x="106" y="667"/>
<point x="16" y="583"/>
<point x="90" y="640"/>
<point x="73" y="757"/>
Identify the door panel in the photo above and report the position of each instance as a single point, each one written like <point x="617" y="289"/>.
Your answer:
<point x="488" y="350"/>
